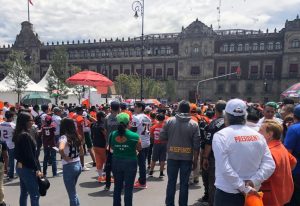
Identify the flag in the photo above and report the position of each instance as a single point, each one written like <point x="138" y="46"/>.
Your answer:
<point x="30" y="1"/>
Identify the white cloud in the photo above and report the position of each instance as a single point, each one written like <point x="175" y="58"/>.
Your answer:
<point x="56" y="20"/>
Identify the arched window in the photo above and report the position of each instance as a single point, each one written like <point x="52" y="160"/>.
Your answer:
<point x="247" y="47"/>
<point x="270" y="46"/>
<point x="231" y="49"/>
<point x="278" y="45"/>
<point x="295" y="43"/>
<point x="240" y="47"/>
<point x="262" y="46"/>
<point x="255" y="47"/>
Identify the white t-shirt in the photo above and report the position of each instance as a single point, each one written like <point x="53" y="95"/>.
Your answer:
<point x="70" y="151"/>
<point x="86" y="127"/>
<point x="253" y="126"/>
<point x="241" y="154"/>
<point x="5" y="109"/>
<point x="56" y="121"/>
<point x="43" y="117"/>
<point x="7" y="129"/>
<point x="143" y="123"/>
<point x="260" y="122"/>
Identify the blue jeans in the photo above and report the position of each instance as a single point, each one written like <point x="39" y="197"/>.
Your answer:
<point x="71" y="173"/>
<point x="49" y="153"/>
<point x="173" y="168"/>
<point x="228" y="199"/>
<point x="11" y="163"/>
<point x="28" y="184"/>
<point x="124" y="170"/>
<point x="142" y="156"/>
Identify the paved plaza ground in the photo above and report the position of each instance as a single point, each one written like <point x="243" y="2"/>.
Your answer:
<point x="91" y="193"/>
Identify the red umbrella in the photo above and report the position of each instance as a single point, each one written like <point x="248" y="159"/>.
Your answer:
<point x="90" y="78"/>
<point x="293" y="91"/>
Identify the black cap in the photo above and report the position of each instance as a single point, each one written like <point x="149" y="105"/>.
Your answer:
<point x="44" y="185"/>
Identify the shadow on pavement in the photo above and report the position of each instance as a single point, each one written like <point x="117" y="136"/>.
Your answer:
<point x="102" y="194"/>
<point x="11" y="184"/>
<point x="154" y="179"/>
<point x="90" y="184"/>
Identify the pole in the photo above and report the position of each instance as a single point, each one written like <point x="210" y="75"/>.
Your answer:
<point x="28" y="11"/>
<point x="89" y="106"/>
<point x="142" y="72"/>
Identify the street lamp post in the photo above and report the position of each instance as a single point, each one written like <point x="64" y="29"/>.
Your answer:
<point x="138" y="7"/>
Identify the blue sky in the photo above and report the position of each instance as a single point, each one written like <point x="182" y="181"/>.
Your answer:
<point x="57" y="20"/>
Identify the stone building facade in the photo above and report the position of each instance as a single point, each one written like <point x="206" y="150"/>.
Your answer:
<point x="269" y="61"/>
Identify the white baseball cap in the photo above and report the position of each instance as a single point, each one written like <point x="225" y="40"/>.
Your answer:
<point x="236" y="107"/>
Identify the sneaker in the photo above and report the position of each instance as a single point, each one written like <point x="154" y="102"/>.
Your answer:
<point x="137" y="185"/>
<point x="150" y="173"/>
<point x="101" y="179"/>
<point x="161" y="175"/>
<point x="85" y="169"/>
<point x="106" y="188"/>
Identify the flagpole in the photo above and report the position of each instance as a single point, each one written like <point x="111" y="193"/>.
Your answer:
<point x="28" y="11"/>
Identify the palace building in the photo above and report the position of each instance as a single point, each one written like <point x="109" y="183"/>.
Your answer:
<point x="269" y="61"/>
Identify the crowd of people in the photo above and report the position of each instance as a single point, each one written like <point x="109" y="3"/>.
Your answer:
<point x="239" y="149"/>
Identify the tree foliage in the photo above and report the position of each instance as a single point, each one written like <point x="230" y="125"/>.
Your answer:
<point x="129" y="87"/>
<point x="56" y="81"/>
<point x="17" y="69"/>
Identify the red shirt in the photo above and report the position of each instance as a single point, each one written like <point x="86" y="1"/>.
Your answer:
<point x="155" y="132"/>
<point x="48" y="135"/>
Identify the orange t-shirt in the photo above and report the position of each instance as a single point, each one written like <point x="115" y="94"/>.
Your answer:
<point x="155" y="132"/>
<point x="79" y="122"/>
<point x="279" y="188"/>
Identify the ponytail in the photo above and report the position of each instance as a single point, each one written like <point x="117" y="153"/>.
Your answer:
<point x="121" y="129"/>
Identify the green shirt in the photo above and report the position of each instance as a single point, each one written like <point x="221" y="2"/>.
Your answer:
<point x="124" y="147"/>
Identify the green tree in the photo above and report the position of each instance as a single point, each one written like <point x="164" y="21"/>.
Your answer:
<point x="79" y="90"/>
<point x="127" y="85"/>
<point x="16" y="69"/>
<point x="170" y="89"/>
<point x="56" y="81"/>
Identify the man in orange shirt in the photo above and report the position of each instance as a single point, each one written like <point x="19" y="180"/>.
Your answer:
<point x="159" y="147"/>
<point x="80" y="122"/>
<point x="278" y="189"/>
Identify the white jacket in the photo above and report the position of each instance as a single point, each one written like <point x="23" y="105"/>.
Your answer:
<point x="241" y="154"/>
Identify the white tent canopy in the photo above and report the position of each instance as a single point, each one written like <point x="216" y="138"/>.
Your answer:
<point x="6" y="86"/>
<point x="43" y="82"/>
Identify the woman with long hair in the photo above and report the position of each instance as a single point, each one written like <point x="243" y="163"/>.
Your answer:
<point x="125" y="144"/>
<point x="70" y="148"/>
<point x="28" y="167"/>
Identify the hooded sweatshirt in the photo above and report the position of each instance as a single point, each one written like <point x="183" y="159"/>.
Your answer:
<point x="183" y="136"/>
